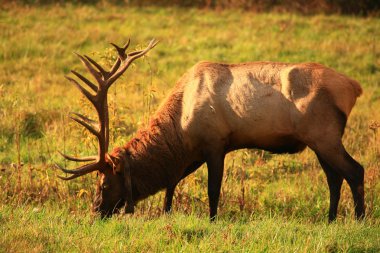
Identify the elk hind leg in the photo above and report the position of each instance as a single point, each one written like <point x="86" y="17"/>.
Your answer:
<point x="334" y="181"/>
<point x="344" y="165"/>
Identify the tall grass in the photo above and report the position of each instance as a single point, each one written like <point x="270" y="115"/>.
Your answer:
<point x="260" y="190"/>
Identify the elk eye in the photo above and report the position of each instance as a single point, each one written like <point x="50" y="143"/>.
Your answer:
<point x="105" y="186"/>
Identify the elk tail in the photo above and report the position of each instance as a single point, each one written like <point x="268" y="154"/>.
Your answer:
<point x="357" y="88"/>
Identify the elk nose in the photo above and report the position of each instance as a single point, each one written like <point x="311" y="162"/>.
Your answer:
<point x="103" y="213"/>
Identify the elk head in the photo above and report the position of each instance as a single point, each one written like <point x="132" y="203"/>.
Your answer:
<point x="114" y="186"/>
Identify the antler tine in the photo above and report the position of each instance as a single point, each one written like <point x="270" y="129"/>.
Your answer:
<point x="121" y="56"/>
<point x="126" y="45"/>
<point x="88" y="120"/>
<point x="151" y="45"/>
<point x="97" y="65"/>
<point x="85" y="80"/>
<point x="87" y="125"/>
<point x="78" y="172"/>
<point x="78" y="159"/>
<point x="68" y="178"/>
<point x="121" y="50"/>
<point x="131" y="57"/>
<point x="115" y="67"/>
<point x="82" y="90"/>
<point x="97" y="75"/>
<point x="134" y="55"/>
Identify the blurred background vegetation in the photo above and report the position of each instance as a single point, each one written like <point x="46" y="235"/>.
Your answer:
<point x="357" y="7"/>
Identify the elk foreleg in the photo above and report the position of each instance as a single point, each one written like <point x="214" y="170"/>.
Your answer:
<point x="169" y="198"/>
<point x="215" y="166"/>
<point x="170" y="190"/>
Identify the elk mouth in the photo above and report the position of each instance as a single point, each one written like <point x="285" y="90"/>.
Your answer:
<point x="107" y="211"/>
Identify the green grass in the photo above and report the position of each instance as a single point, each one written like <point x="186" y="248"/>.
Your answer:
<point x="269" y="203"/>
<point x="55" y="230"/>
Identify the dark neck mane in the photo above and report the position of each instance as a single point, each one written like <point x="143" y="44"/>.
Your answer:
<point x="156" y="154"/>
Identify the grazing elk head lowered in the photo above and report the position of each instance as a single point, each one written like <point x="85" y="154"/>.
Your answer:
<point x="111" y="192"/>
<point x="216" y="108"/>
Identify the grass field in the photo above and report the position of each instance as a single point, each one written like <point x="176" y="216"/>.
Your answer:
<point x="269" y="203"/>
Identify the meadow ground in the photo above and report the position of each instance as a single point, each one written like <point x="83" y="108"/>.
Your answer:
<point x="269" y="203"/>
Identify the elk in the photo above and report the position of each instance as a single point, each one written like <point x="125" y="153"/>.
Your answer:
<point x="213" y="109"/>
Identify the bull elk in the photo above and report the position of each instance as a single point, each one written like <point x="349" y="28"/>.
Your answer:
<point x="216" y="108"/>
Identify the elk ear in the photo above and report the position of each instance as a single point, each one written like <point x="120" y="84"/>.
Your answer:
<point x="115" y="162"/>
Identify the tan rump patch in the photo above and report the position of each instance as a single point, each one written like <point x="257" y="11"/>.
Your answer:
<point x="295" y="83"/>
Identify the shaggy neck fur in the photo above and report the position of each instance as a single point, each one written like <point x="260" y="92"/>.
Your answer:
<point x="156" y="155"/>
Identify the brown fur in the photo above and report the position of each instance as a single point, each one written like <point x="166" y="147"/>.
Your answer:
<point x="156" y="153"/>
<point x="216" y="108"/>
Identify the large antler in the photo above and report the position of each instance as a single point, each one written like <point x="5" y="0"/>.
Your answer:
<point x="104" y="80"/>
